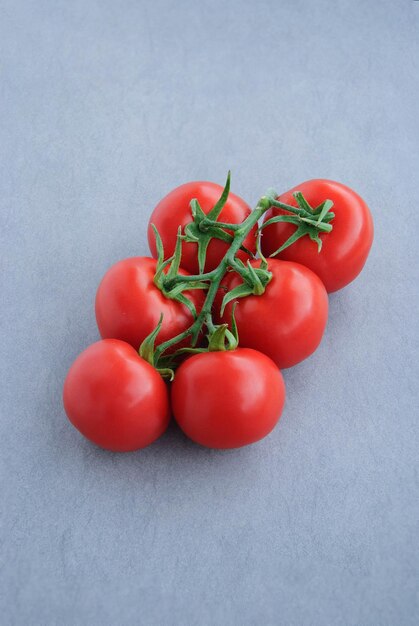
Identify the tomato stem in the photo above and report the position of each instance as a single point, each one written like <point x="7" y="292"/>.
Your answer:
<point x="215" y="277"/>
<point x="308" y="221"/>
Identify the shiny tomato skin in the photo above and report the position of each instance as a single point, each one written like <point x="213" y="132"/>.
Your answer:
<point x="227" y="399"/>
<point x="288" y="320"/>
<point x="174" y="211"/>
<point x="345" y="249"/>
<point x="115" y="398"/>
<point x="128" y="304"/>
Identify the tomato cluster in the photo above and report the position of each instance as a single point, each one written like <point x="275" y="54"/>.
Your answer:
<point x="224" y="303"/>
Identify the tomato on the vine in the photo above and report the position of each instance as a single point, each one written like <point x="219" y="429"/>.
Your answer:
<point x="129" y="304"/>
<point x="288" y="320"/>
<point x="115" y="398"/>
<point x="344" y="250"/>
<point x="174" y="211"/>
<point x="227" y="399"/>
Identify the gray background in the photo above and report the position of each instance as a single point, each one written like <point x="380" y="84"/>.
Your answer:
<point x="106" y="106"/>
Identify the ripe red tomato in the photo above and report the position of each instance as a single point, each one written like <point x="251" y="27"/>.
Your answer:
<point x="174" y="211"/>
<point x="288" y="320"/>
<point x="128" y="304"/>
<point x="115" y="398"/>
<point x="227" y="399"/>
<point x="345" y="248"/>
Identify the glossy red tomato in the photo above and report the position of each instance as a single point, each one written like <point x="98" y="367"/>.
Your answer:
<point x="174" y="211"/>
<point x="286" y="322"/>
<point x="227" y="399"/>
<point x="345" y="249"/>
<point x="128" y="304"/>
<point x="115" y="398"/>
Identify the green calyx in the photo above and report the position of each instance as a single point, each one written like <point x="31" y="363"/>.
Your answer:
<point x="167" y="274"/>
<point x="147" y="352"/>
<point x="222" y="338"/>
<point x="205" y="227"/>
<point x="311" y="222"/>
<point x="255" y="280"/>
<point x="201" y="230"/>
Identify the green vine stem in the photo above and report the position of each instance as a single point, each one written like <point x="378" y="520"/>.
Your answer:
<point x="203" y="227"/>
<point x="215" y="277"/>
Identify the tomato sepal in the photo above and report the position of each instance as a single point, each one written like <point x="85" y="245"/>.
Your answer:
<point x="222" y="337"/>
<point x="163" y="279"/>
<point x="147" y="352"/>
<point x="303" y="218"/>
<point x="255" y="281"/>
<point x="205" y="227"/>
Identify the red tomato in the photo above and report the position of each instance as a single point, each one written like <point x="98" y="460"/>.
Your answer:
<point x="115" y="398"/>
<point x="128" y="304"/>
<point x="286" y="322"/>
<point x="174" y="211"/>
<point x="345" y="248"/>
<point x="227" y="399"/>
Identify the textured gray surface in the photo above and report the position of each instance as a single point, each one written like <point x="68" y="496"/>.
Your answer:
<point x="106" y="107"/>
